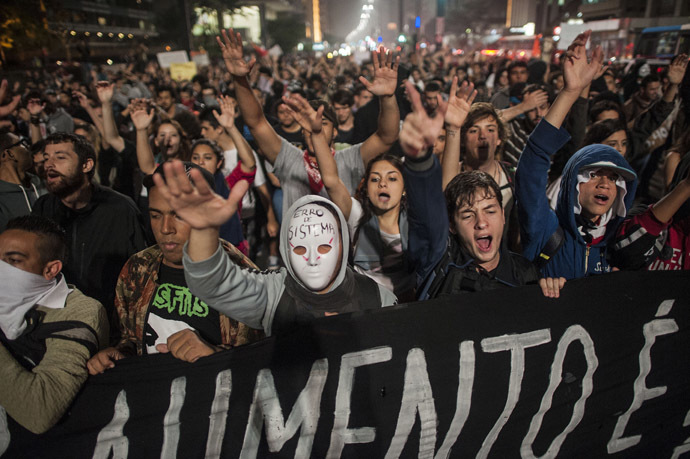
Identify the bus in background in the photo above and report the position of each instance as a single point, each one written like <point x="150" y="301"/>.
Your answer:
<point x="663" y="43"/>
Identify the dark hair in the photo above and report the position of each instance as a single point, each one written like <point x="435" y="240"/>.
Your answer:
<point x="207" y="115"/>
<point x="184" y="152"/>
<point x="209" y="86"/>
<point x="554" y="76"/>
<point x="52" y="243"/>
<point x="599" y="131"/>
<point x="463" y="188"/>
<point x="516" y="64"/>
<point x="343" y="97"/>
<point x="328" y="111"/>
<point x="211" y="144"/>
<point x="651" y="78"/>
<point x="432" y="86"/>
<point x="164" y="88"/>
<point x="362" y="196"/>
<point x="358" y="89"/>
<point x="82" y="148"/>
<point x="479" y="111"/>
<point x="605" y="105"/>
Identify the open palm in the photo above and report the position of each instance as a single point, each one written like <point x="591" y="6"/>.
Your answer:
<point x="309" y="119"/>
<point x="385" y="73"/>
<point x="676" y="71"/>
<point x="233" y="55"/>
<point x="195" y="202"/>
<point x="577" y="71"/>
<point x="227" y="112"/>
<point x="419" y="130"/>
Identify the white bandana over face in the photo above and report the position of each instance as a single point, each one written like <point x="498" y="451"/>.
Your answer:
<point x="23" y="291"/>
<point x="617" y="209"/>
<point x="314" y="246"/>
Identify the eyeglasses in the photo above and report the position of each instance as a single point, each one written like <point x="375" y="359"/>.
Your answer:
<point x="22" y="141"/>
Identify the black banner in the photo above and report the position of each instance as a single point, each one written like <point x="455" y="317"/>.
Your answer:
<point x="602" y="371"/>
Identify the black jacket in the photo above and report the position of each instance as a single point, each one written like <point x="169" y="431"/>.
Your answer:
<point x="101" y="238"/>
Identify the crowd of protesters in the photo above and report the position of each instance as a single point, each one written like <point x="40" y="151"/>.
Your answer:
<point x="137" y="211"/>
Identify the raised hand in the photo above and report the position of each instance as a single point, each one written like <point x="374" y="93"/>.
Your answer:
<point x="535" y="99"/>
<point x="385" y="73"/>
<point x="578" y="72"/>
<point x="227" y="112"/>
<point x="35" y="108"/>
<point x="83" y="100"/>
<point x="309" y="119"/>
<point x="103" y="360"/>
<point x="233" y="55"/>
<point x="676" y="71"/>
<point x="196" y="203"/>
<point x="419" y="131"/>
<point x="105" y="91"/>
<point x="459" y="103"/>
<point x="141" y="117"/>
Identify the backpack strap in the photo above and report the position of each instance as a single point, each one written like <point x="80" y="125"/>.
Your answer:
<point x="552" y="246"/>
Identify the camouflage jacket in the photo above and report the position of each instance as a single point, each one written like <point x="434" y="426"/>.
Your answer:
<point x="136" y="286"/>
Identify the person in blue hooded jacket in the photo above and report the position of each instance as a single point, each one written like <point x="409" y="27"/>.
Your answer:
<point x="597" y="190"/>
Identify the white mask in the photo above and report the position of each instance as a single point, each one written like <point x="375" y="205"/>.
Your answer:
<point x="314" y="245"/>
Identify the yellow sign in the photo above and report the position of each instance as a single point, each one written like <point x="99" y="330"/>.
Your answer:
<point x="182" y="70"/>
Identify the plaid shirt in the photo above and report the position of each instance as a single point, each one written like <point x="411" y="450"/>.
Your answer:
<point x="138" y="283"/>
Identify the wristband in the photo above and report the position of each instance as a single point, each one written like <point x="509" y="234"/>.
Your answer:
<point x="35" y="120"/>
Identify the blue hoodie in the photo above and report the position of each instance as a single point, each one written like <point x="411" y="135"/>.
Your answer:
<point x="538" y="222"/>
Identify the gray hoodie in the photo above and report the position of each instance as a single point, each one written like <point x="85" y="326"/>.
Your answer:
<point x="17" y="200"/>
<point x="251" y="297"/>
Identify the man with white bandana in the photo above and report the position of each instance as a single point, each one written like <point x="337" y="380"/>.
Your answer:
<point x="316" y="281"/>
<point x="48" y="329"/>
<point x="597" y="189"/>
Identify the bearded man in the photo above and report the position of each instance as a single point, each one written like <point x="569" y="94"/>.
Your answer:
<point x="104" y="228"/>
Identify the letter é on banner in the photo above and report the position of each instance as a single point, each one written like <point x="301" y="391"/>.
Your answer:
<point x="219" y="414"/>
<point x="266" y="407"/>
<point x="642" y="393"/>
<point x="417" y="397"/>
<point x="341" y="435"/>
<point x="574" y="332"/>
<point x="516" y="344"/>
<point x="111" y="437"/>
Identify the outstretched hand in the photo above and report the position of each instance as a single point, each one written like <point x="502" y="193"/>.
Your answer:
<point x="309" y="119"/>
<point x="578" y="71"/>
<point x="227" y="112"/>
<point x="195" y="202"/>
<point x="676" y="71"/>
<point x="459" y="103"/>
<point x="105" y="91"/>
<point x="385" y="73"/>
<point x="233" y="55"/>
<point x="419" y="130"/>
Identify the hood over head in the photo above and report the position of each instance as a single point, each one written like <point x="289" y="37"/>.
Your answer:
<point x="285" y="237"/>
<point x="594" y="156"/>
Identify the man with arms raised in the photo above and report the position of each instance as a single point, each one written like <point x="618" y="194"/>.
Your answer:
<point x="316" y="281"/>
<point x="597" y="189"/>
<point x="474" y="258"/>
<point x="297" y="170"/>
<point x="48" y="329"/>
<point x="156" y="309"/>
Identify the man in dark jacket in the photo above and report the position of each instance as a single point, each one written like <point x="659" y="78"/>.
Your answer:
<point x="104" y="228"/>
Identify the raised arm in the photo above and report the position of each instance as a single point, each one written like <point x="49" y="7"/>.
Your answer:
<point x="141" y="117"/>
<point x="8" y="108"/>
<point x="459" y="104"/>
<point x="312" y="122"/>
<point x="84" y="103"/>
<point x="676" y="72"/>
<point x="384" y="85"/>
<point x="426" y="206"/>
<point x="578" y="74"/>
<point x="531" y="101"/>
<point x="231" y="47"/>
<point x="227" y="120"/>
<point x="110" y="133"/>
